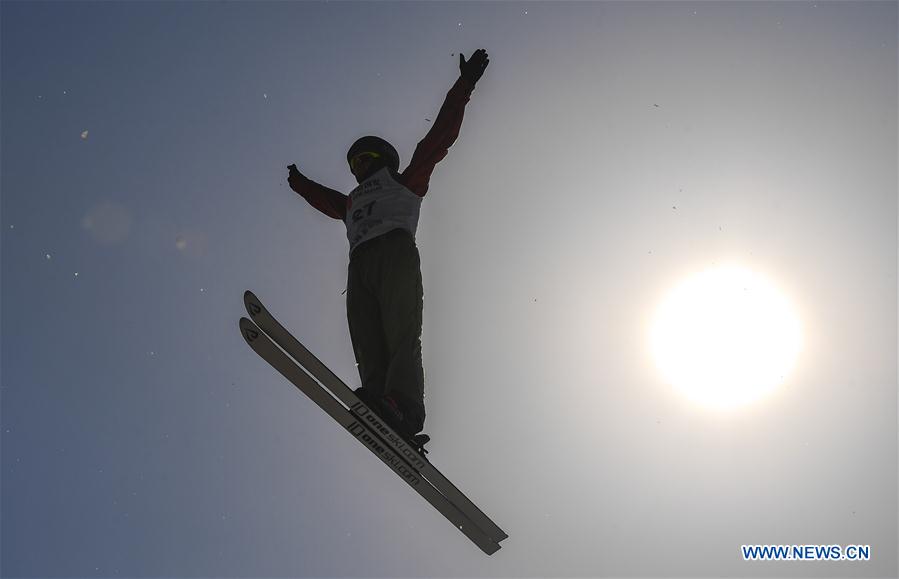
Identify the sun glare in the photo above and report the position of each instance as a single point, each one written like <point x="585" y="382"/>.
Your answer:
<point x="725" y="337"/>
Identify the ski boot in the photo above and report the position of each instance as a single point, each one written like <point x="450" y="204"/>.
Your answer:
<point x="388" y="409"/>
<point x="394" y="416"/>
<point x="366" y="398"/>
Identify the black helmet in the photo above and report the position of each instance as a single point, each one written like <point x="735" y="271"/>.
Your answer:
<point x="375" y="145"/>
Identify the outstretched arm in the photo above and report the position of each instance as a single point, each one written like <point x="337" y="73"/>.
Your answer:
<point x="435" y="146"/>
<point x="330" y="202"/>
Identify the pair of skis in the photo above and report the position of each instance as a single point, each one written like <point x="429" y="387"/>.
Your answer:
<point x="265" y="334"/>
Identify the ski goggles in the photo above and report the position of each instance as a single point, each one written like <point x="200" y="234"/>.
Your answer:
<point x="361" y="157"/>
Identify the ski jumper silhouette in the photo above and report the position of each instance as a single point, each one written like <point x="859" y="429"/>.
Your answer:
<point x="384" y="295"/>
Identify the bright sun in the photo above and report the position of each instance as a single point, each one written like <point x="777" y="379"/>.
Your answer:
<point x="725" y="337"/>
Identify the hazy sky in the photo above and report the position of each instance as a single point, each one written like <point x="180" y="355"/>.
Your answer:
<point x="610" y="150"/>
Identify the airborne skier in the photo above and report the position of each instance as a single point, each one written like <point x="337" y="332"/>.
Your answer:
<point x="384" y="294"/>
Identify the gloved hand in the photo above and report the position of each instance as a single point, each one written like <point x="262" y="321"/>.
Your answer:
<point x="294" y="178"/>
<point x="474" y="67"/>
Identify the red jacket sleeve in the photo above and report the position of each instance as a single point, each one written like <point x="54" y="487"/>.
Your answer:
<point x="330" y="202"/>
<point x="434" y="147"/>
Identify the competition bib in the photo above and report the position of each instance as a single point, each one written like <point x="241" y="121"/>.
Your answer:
<point x="378" y="205"/>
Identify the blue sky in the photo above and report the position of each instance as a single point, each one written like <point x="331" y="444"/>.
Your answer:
<point x="609" y="150"/>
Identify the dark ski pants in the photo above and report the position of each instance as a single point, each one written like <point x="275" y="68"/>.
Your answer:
<point x="384" y="302"/>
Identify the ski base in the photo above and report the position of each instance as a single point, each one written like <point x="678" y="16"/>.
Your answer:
<point x="311" y="364"/>
<point x="372" y="433"/>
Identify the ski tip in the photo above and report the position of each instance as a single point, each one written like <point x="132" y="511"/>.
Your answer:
<point x="252" y="303"/>
<point x="248" y="329"/>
